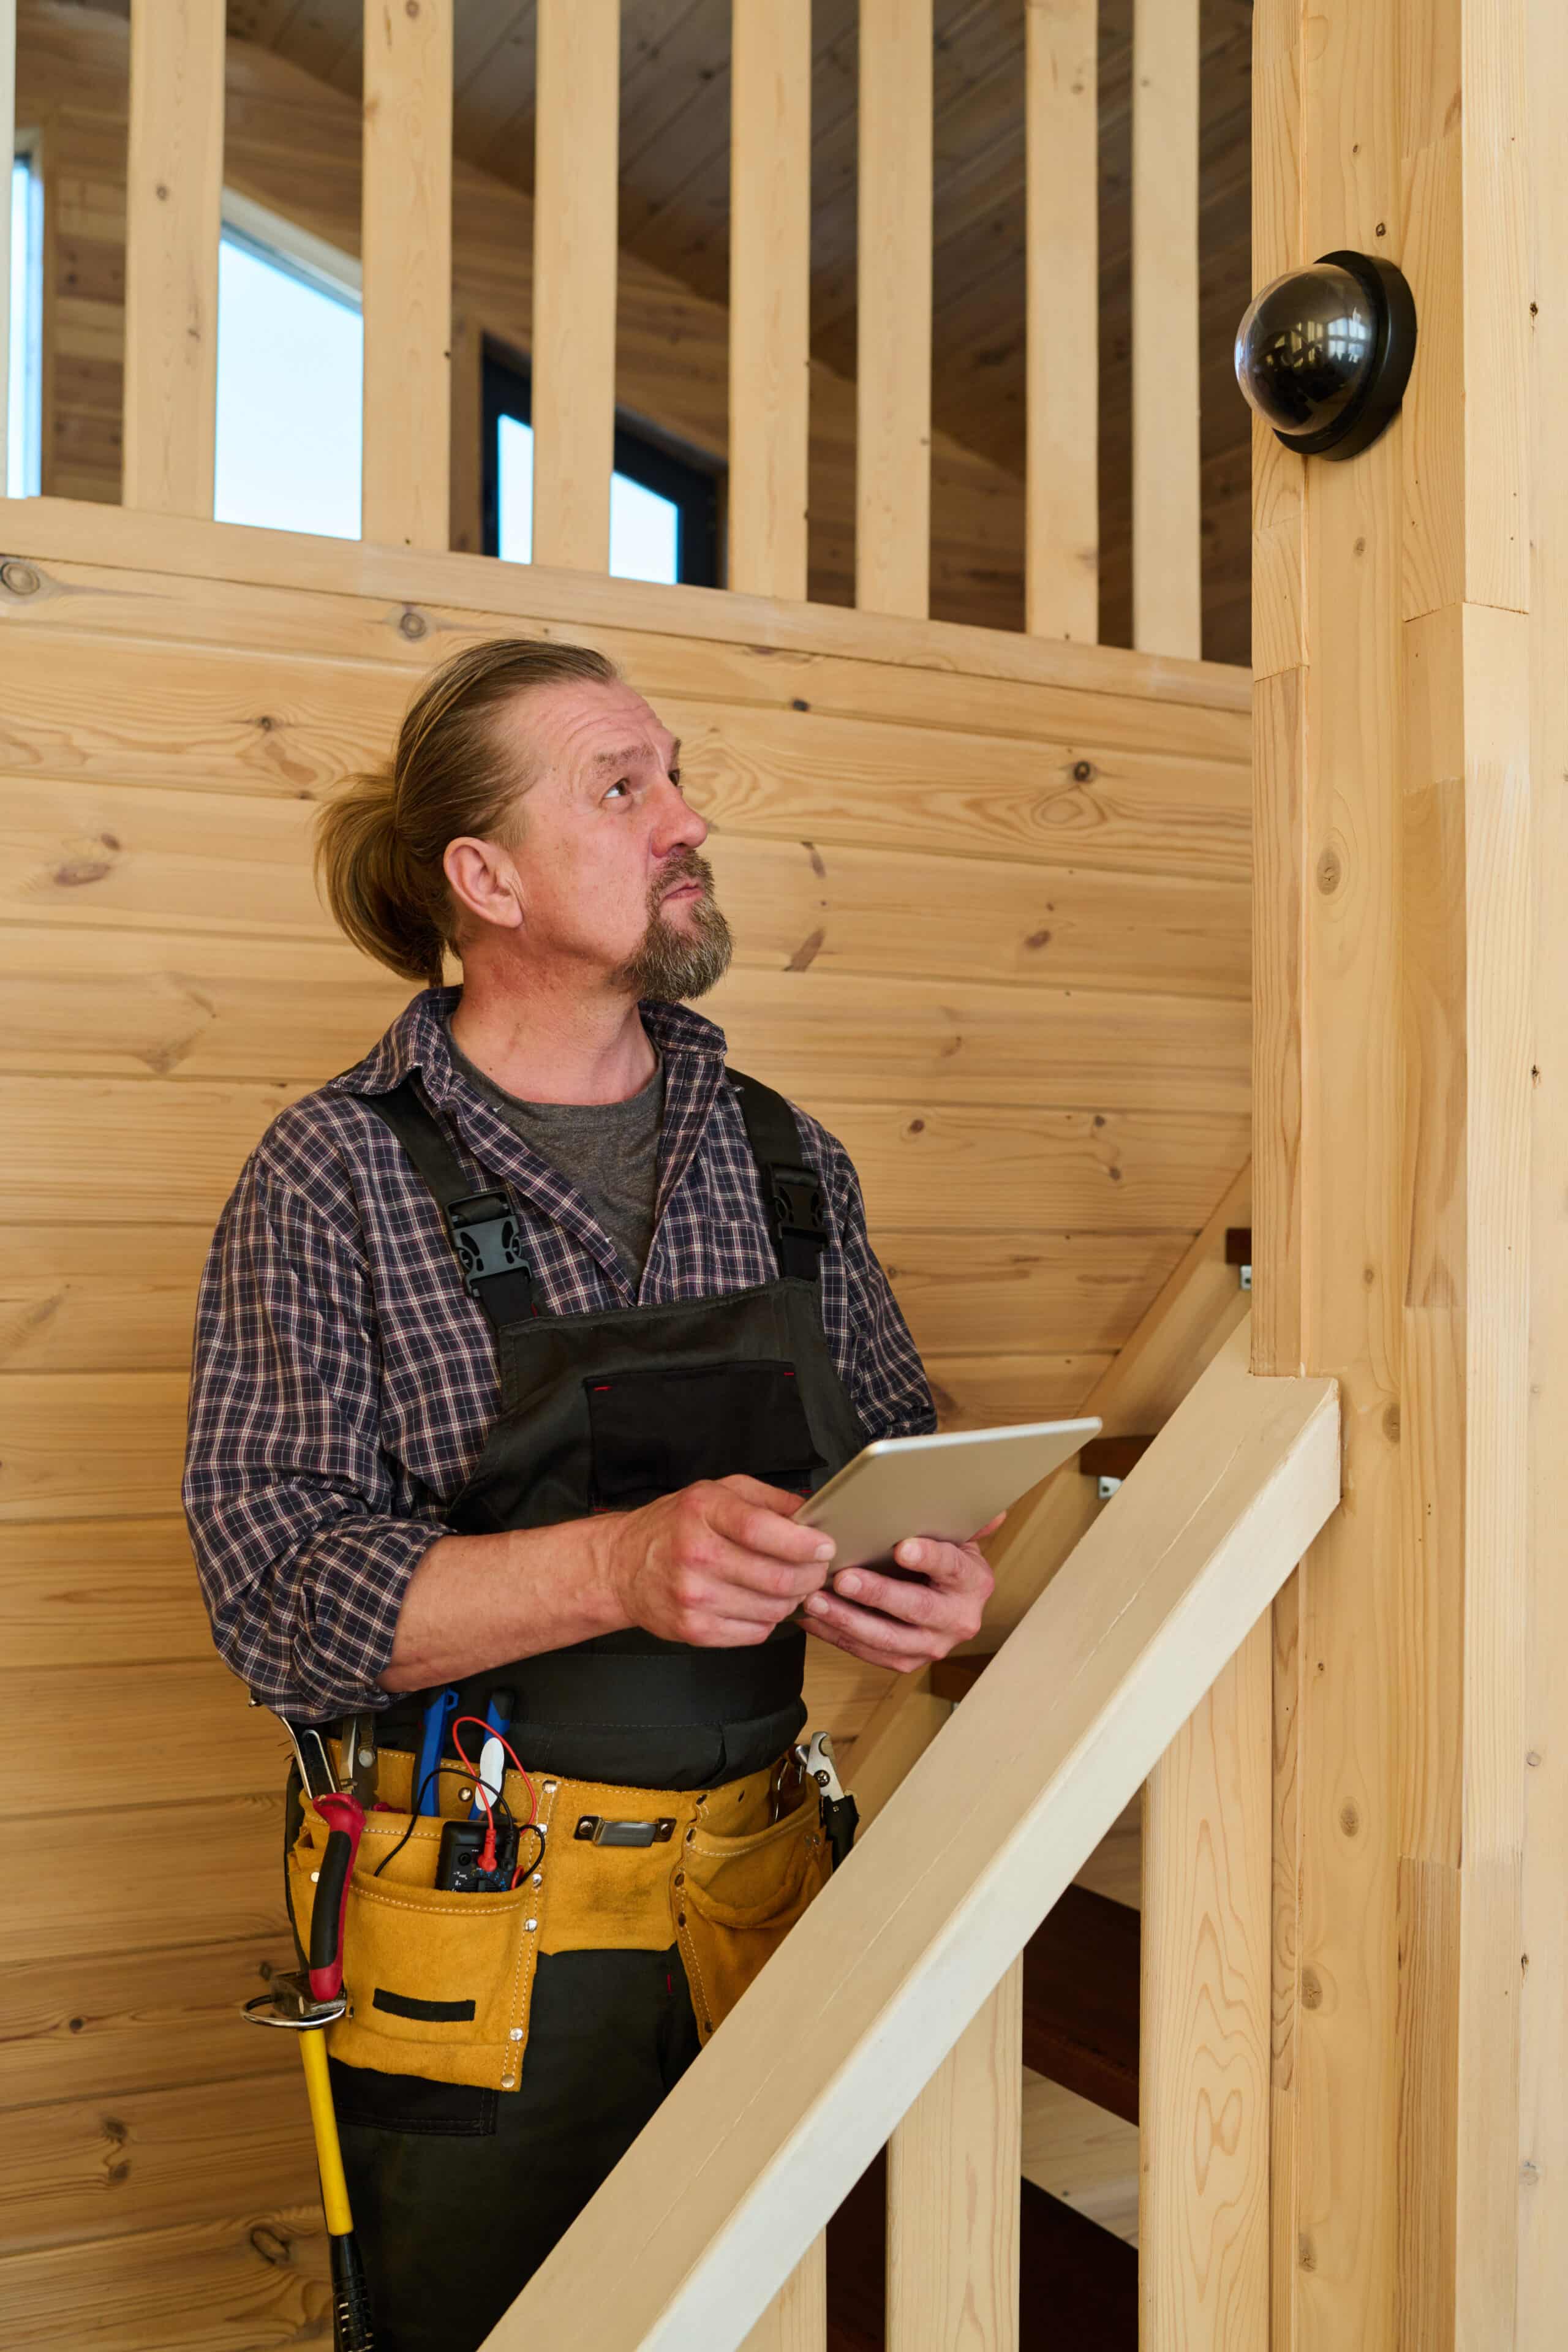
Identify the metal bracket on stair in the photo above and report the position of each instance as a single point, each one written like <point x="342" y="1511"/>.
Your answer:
<point x="1239" y="1252"/>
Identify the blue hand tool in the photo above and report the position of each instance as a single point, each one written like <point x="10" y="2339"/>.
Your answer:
<point x="492" y="1756"/>
<point x="432" y="1739"/>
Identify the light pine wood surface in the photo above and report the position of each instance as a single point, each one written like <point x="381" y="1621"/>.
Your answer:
<point x="406" y="256"/>
<point x="892" y="380"/>
<point x="574" y="282"/>
<point x="174" y="190"/>
<point x="954" y="2164"/>
<point x="1061" y="565"/>
<point x="770" y="296"/>
<point x="1167" y="502"/>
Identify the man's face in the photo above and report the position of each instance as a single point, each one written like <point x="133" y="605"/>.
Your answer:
<point x="607" y="872"/>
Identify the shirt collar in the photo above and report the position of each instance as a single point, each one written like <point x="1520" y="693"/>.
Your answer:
<point x="420" y="1039"/>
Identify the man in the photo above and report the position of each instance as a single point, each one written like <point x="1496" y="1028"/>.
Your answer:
<point x="517" y="1346"/>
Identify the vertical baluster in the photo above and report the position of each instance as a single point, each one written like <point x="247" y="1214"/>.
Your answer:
<point x="955" y="2171"/>
<point x="796" y="2319"/>
<point x="406" y="203"/>
<point x="7" y="148"/>
<point x="770" y="294"/>
<point x="1204" y="2020"/>
<point x="892" y="469"/>
<point x="1167" y="565"/>
<point x="1061" y="568"/>
<point x="174" y="195"/>
<point x="576" y="135"/>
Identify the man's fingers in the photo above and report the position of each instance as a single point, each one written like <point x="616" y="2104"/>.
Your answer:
<point x="903" y="1644"/>
<point x="756" y="1527"/>
<point x="914" y="1603"/>
<point x="756" y="1490"/>
<point x="955" y="1568"/>
<point x="869" y="1652"/>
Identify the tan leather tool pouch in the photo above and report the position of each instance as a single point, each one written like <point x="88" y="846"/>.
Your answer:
<point x="736" y="1894"/>
<point x="438" y="1983"/>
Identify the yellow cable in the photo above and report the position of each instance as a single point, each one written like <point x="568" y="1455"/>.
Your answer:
<point x="329" y="2155"/>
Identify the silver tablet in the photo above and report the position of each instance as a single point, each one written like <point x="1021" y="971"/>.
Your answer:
<point x="946" y="1486"/>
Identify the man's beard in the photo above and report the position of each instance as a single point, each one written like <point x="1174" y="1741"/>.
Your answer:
<point x="669" y="964"/>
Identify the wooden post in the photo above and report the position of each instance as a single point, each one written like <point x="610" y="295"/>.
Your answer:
<point x="1543" y="1936"/>
<point x="796" y="2319"/>
<point x="1203" y="2015"/>
<point x="954" y="2166"/>
<point x="893" y="466"/>
<point x="1061" y="556"/>
<point x="770" y="294"/>
<point x="406" y="200"/>
<point x="1167" y="566"/>
<point x="173" y="195"/>
<point x="576" y="145"/>
<point x="1391" y="1230"/>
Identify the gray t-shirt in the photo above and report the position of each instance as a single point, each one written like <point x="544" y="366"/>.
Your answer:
<point x="608" y="1150"/>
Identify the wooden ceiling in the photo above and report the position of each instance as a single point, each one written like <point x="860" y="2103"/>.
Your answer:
<point x="675" y="161"/>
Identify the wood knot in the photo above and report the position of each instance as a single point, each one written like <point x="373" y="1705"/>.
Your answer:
<point x="1391" y="1425"/>
<point x="413" y="624"/>
<point x="19" y="578"/>
<point x="798" y="704"/>
<point x="1330" y="873"/>
<point x="1349" y="1819"/>
<point x="1039" y="939"/>
<point x="1083" y="771"/>
<point x="916" y="1127"/>
<point x="1311" y="1990"/>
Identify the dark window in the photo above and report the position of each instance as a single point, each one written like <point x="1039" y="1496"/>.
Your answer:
<point x="664" y="508"/>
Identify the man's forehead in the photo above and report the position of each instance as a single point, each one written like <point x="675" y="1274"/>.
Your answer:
<point x="605" y="726"/>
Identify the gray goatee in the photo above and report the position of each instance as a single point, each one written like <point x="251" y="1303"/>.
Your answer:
<point x="672" y="965"/>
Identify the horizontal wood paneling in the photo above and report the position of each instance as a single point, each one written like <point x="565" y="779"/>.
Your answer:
<point x="198" y="2287"/>
<point x="187" y="1725"/>
<point x="71" y="1594"/>
<point x="138" y="856"/>
<point x="87" y="2169"/>
<point x="160" y="1875"/>
<point x="101" y="2024"/>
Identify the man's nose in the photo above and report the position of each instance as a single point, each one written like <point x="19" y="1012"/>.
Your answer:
<point x="677" y="825"/>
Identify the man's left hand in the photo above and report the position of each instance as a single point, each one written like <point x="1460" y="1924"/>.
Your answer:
<point x="892" y="1623"/>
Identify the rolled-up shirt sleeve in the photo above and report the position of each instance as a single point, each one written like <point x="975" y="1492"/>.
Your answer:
<point x="288" y="1495"/>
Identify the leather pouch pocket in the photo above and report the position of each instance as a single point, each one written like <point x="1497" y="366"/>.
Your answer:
<point x="735" y="1900"/>
<point x="438" y="1983"/>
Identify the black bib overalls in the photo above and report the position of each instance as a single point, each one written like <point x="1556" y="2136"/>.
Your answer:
<point x="459" y="2193"/>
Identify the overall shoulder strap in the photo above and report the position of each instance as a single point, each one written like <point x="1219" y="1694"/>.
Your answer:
<point x="482" y="1227"/>
<point x="791" y="1190"/>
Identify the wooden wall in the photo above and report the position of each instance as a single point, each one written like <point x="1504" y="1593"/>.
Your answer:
<point x="293" y="143"/>
<point x="991" y="897"/>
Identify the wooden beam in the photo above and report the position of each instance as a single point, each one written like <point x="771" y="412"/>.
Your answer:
<point x="173" y="195"/>
<point x="1544" y="1929"/>
<point x="892" y="463"/>
<point x="1392" y="1240"/>
<point x="1204" y="2020"/>
<point x="770" y="294"/>
<point x="719" y="2196"/>
<point x="577" y="163"/>
<point x="1167" y="556"/>
<point x="406" y="206"/>
<point x="954" y="2164"/>
<point x="1061" y="551"/>
<point x="796" y="2319"/>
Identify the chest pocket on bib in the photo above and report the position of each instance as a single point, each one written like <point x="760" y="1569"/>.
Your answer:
<point x="654" y="1432"/>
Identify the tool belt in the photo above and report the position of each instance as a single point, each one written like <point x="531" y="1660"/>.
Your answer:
<point x="439" y="1981"/>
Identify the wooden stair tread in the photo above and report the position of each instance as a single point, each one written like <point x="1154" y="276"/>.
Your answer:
<point x="1078" y="2282"/>
<point x="1081" y="1972"/>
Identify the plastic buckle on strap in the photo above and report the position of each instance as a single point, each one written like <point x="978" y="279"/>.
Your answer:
<point x="797" y="1205"/>
<point x="487" y="1238"/>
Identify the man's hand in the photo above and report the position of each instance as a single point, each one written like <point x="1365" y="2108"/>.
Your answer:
<point x="892" y="1623"/>
<point x="719" y="1564"/>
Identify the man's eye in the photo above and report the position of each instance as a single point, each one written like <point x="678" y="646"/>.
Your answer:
<point x="675" y="780"/>
<point x="622" y="785"/>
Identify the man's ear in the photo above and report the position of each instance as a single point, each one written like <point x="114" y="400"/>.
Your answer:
<point x="484" y="881"/>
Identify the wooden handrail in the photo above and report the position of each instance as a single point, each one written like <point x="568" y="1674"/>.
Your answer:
<point x="715" y="2203"/>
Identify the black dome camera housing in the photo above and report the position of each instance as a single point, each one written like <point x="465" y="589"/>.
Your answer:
<point x="1323" y="354"/>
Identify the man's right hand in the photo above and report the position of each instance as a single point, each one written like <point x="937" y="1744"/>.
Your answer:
<point x="719" y="1565"/>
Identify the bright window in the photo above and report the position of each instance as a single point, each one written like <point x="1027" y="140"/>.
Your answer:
<point x="24" y="403"/>
<point x="663" y="509"/>
<point x="289" y="369"/>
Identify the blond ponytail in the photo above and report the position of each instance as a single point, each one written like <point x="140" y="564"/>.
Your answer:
<point x="380" y="841"/>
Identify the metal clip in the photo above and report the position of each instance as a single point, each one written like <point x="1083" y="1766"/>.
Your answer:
<point x="594" y="1829"/>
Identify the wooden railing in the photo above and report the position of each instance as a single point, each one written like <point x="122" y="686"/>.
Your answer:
<point x="892" y="2010"/>
<point x="174" y="196"/>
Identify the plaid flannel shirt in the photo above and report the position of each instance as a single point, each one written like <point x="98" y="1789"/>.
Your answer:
<point x="345" y="1380"/>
